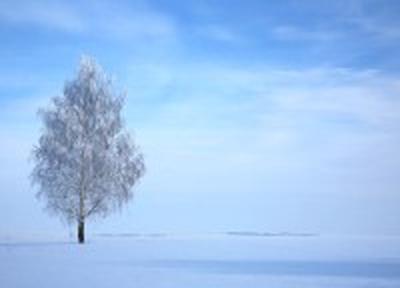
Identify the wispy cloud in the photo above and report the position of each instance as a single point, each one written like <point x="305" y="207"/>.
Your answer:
<point x="376" y="19"/>
<point x="48" y="14"/>
<point x="96" y="18"/>
<point x="219" y="33"/>
<point x="311" y="131"/>
<point x="376" y="28"/>
<point x="279" y="109"/>
<point x="129" y="21"/>
<point x="368" y="95"/>
<point x="294" y="33"/>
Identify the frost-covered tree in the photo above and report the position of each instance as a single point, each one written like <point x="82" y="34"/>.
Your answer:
<point x="85" y="163"/>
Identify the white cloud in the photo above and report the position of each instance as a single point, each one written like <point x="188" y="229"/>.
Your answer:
<point x="53" y="15"/>
<point x="96" y="18"/>
<point x="261" y="120"/>
<point x="294" y="33"/>
<point x="127" y="22"/>
<point x="376" y="19"/>
<point x="369" y="96"/>
<point x="219" y="33"/>
<point x="376" y="28"/>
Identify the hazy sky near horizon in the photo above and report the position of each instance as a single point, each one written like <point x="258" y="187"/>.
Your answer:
<point x="252" y="115"/>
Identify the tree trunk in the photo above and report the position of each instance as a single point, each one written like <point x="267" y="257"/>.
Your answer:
<point x="81" y="231"/>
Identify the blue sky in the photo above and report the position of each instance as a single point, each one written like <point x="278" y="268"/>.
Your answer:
<point x="252" y="115"/>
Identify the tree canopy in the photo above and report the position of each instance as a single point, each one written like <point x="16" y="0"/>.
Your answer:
<point x="86" y="162"/>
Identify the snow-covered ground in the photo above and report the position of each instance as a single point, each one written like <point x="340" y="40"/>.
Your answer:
<point x="213" y="260"/>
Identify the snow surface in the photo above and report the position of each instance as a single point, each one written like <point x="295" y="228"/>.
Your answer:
<point x="214" y="260"/>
